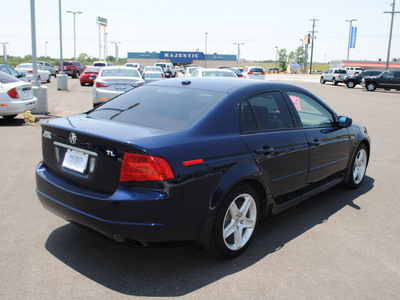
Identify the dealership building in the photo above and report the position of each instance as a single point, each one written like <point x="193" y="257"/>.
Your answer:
<point x="180" y="58"/>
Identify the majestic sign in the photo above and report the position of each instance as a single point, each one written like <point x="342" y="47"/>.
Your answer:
<point x="181" y="57"/>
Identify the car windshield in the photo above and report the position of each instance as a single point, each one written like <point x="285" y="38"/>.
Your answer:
<point x="152" y="69"/>
<point x="24" y="66"/>
<point x="256" y="70"/>
<point x="92" y="70"/>
<point x="161" y="65"/>
<point x="218" y="74"/>
<point x="165" y="108"/>
<point x="5" y="78"/>
<point x="119" y="73"/>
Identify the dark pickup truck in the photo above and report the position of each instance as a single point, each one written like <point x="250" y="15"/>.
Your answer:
<point x="352" y="81"/>
<point x="387" y="80"/>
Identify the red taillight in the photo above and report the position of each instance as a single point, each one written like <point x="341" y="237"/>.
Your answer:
<point x="102" y="84"/>
<point x="138" y="167"/>
<point x="249" y="73"/>
<point x="13" y="93"/>
<point x="30" y="72"/>
<point x="162" y="75"/>
<point x="143" y="75"/>
<point x="262" y="73"/>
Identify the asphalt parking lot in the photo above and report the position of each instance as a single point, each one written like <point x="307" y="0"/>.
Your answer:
<point x="342" y="244"/>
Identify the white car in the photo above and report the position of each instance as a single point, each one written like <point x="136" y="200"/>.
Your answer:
<point x="189" y="71"/>
<point x="16" y="96"/>
<point x="138" y="66"/>
<point x="27" y="69"/>
<point x="213" y="73"/>
<point x="113" y="81"/>
<point x="254" y="72"/>
<point x="168" y="68"/>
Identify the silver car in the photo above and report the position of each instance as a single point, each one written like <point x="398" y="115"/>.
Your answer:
<point x="113" y="81"/>
<point x="151" y="74"/>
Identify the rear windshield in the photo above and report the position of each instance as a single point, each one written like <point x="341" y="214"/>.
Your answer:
<point x="256" y="70"/>
<point x="161" y="65"/>
<point x="120" y="72"/>
<point x="99" y="64"/>
<point x="152" y="69"/>
<point x="165" y="108"/>
<point x="217" y="74"/>
<point x="340" y="72"/>
<point x="92" y="70"/>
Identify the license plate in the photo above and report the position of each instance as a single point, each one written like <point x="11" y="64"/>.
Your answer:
<point x="75" y="160"/>
<point x="120" y="86"/>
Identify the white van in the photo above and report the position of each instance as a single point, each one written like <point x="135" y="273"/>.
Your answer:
<point x="138" y="66"/>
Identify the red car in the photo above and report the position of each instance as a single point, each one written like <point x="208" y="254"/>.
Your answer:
<point x="89" y="75"/>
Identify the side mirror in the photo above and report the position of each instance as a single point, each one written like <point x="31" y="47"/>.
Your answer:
<point x="345" y="122"/>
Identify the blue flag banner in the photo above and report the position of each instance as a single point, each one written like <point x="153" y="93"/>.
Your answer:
<point x="353" y="37"/>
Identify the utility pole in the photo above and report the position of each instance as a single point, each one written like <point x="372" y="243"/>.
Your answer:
<point x="312" y="41"/>
<point x="391" y="31"/>
<point x="4" y="51"/>
<point x="349" y="45"/>
<point x="205" y="53"/>
<point x="238" y="57"/>
<point x="116" y="51"/>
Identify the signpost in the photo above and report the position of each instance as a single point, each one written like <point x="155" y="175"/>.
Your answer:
<point x="102" y="22"/>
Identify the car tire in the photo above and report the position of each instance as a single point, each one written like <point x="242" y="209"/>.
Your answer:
<point x="49" y="79"/>
<point x="334" y="82"/>
<point x="236" y="221"/>
<point x="82" y="83"/>
<point x="9" y="117"/>
<point x="350" y="84"/>
<point x="370" y="86"/>
<point x="357" y="168"/>
<point x="77" y="75"/>
<point x="322" y="80"/>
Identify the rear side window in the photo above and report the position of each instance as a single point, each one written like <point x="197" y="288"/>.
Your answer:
<point x="66" y="63"/>
<point x="165" y="108"/>
<point x="265" y="112"/>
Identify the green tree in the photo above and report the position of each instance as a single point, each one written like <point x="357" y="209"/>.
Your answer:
<point x="282" y="59"/>
<point x="300" y="55"/>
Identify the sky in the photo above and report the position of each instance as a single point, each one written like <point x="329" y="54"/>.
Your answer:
<point x="174" y="25"/>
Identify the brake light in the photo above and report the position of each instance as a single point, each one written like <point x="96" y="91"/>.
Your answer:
<point x="143" y="75"/>
<point x="262" y="73"/>
<point x="13" y="93"/>
<point x="249" y="73"/>
<point x="162" y="75"/>
<point x="30" y="72"/>
<point x="102" y="84"/>
<point x="138" y="167"/>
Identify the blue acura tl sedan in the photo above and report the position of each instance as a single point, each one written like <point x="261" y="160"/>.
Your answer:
<point x="198" y="160"/>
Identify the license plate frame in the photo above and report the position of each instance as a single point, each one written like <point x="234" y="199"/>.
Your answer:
<point x="76" y="161"/>
<point x="120" y="86"/>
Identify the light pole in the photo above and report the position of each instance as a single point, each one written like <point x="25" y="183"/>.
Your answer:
<point x="348" y="48"/>
<point x="4" y="51"/>
<point x="74" y="13"/>
<point x="276" y="57"/>
<point x="391" y="30"/>
<point x="116" y="51"/>
<point x="205" y="53"/>
<point x="45" y="49"/>
<point x="238" y="57"/>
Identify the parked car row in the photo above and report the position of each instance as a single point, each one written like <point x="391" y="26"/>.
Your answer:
<point x="370" y="79"/>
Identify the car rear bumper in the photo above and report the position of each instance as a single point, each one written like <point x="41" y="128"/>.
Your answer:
<point x="145" y="216"/>
<point x="17" y="106"/>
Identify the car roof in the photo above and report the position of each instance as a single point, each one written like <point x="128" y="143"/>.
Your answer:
<point x="225" y="85"/>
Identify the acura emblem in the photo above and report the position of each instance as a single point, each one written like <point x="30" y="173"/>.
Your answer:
<point x="72" y="138"/>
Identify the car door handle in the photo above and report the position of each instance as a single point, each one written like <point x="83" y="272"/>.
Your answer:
<point x="315" y="143"/>
<point x="265" y="150"/>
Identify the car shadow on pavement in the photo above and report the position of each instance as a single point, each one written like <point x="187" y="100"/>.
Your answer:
<point x="177" y="271"/>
